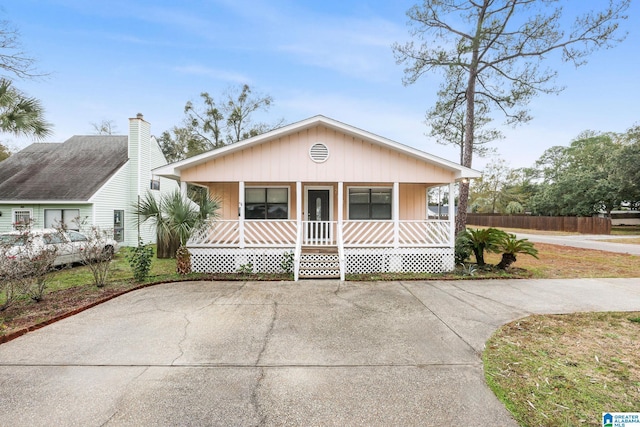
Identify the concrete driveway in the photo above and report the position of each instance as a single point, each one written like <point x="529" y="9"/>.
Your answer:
<point x="313" y="353"/>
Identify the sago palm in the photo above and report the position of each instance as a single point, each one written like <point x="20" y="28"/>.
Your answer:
<point x="511" y="246"/>
<point x="481" y="240"/>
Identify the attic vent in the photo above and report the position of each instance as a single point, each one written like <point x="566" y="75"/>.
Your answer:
<point x="319" y="152"/>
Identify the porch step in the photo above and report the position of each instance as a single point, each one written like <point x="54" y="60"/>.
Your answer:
<point x="319" y="250"/>
<point x="319" y="263"/>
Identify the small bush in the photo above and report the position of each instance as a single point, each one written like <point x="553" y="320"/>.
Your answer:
<point x="140" y="259"/>
<point x="462" y="250"/>
<point x="246" y="268"/>
<point x="287" y="262"/>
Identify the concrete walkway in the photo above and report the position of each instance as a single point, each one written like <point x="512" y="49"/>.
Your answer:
<point x="298" y="354"/>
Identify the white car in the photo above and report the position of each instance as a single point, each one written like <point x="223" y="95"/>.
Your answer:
<point x="70" y="246"/>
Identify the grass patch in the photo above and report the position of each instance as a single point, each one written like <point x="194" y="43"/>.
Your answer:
<point x="468" y="272"/>
<point x="629" y="240"/>
<point x="626" y="230"/>
<point x="565" y="370"/>
<point x="565" y="262"/>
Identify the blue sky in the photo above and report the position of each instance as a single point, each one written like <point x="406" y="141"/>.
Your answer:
<point x="110" y="59"/>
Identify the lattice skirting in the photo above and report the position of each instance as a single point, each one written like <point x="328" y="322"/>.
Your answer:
<point x="230" y="260"/>
<point x="410" y="260"/>
<point x="357" y="260"/>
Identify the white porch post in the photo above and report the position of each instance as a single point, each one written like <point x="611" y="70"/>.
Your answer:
<point x="241" y="213"/>
<point x="183" y="188"/>
<point x="299" y="217"/>
<point x="339" y="229"/>
<point x="395" y="259"/>
<point x="299" y="204"/>
<point x="296" y="254"/>
<point x="340" y="204"/>
<point x="452" y="213"/>
<point x="395" y="197"/>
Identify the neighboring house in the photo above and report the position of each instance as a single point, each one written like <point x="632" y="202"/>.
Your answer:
<point x="439" y="211"/>
<point x="94" y="177"/>
<point x="620" y="217"/>
<point x="337" y="199"/>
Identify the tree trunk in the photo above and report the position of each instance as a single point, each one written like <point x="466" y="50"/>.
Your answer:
<point x="479" y="253"/>
<point x="469" y="125"/>
<point x="183" y="261"/>
<point x="167" y="248"/>
<point x="463" y="200"/>
<point x="506" y="261"/>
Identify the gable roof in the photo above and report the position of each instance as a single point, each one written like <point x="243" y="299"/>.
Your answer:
<point x="174" y="170"/>
<point x="69" y="171"/>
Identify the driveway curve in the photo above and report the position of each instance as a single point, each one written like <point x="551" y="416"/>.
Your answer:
<point x="313" y="353"/>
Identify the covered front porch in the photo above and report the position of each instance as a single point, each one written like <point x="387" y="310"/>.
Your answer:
<point x="329" y="216"/>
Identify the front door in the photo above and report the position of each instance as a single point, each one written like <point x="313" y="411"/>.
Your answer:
<point x="319" y="229"/>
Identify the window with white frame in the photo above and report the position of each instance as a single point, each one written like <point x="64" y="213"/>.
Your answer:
<point x="369" y="203"/>
<point x="155" y="182"/>
<point x="118" y="225"/>
<point x="67" y="218"/>
<point x="266" y="203"/>
<point x="22" y="218"/>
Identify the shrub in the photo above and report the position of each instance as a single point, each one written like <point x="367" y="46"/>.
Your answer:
<point x="140" y="259"/>
<point x="462" y="250"/>
<point x="287" y="262"/>
<point x="246" y="268"/>
<point x="26" y="271"/>
<point x="96" y="255"/>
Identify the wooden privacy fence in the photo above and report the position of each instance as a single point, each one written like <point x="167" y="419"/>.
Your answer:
<point x="584" y="225"/>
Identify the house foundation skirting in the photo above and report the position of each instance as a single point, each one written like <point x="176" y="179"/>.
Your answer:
<point x="232" y="260"/>
<point x="409" y="260"/>
<point x="356" y="260"/>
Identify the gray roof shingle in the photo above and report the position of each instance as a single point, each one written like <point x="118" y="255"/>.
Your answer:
<point x="73" y="170"/>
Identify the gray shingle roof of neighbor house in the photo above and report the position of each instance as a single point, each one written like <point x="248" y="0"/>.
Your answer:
<point x="69" y="171"/>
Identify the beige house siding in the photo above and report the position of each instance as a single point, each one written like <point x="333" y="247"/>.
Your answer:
<point x="412" y="198"/>
<point x="413" y="202"/>
<point x="286" y="159"/>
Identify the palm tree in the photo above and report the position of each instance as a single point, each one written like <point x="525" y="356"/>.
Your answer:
<point x="175" y="218"/>
<point x="21" y="115"/>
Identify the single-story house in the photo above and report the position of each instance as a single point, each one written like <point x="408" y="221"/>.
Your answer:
<point x="94" y="177"/>
<point x="328" y="198"/>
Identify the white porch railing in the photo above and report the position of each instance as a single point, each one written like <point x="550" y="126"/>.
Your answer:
<point x="222" y="233"/>
<point x="226" y="233"/>
<point x="425" y="233"/>
<point x="279" y="233"/>
<point x="367" y="233"/>
<point x="319" y="233"/>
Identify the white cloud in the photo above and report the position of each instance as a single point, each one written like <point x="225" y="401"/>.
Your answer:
<point x="214" y="73"/>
